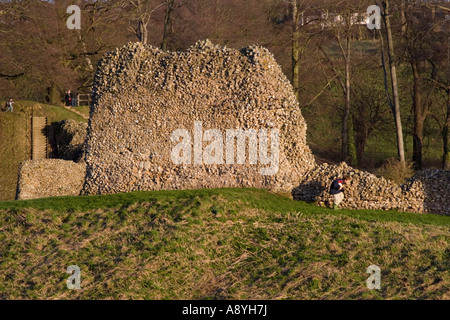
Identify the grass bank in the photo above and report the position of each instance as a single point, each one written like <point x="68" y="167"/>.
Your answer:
<point x="217" y="244"/>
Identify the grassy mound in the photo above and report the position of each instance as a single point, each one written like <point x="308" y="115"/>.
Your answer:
<point x="217" y="244"/>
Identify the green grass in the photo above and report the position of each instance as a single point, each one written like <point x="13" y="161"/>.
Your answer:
<point x="255" y="198"/>
<point x="83" y="109"/>
<point x="53" y="113"/>
<point x="217" y="244"/>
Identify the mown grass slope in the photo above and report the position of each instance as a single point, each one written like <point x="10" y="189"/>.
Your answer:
<point x="217" y="244"/>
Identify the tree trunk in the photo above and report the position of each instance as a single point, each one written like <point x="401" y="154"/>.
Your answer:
<point x="398" y="119"/>
<point x="295" y="50"/>
<point x="142" y="31"/>
<point x="419" y="118"/>
<point x="167" y="24"/>
<point x="83" y="45"/>
<point x="352" y="157"/>
<point x="360" y="144"/>
<point x="86" y="57"/>
<point x="403" y="16"/>
<point x="446" y="136"/>
<point x="361" y="134"/>
<point x="446" y="128"/>
<point x="345" y="145"/>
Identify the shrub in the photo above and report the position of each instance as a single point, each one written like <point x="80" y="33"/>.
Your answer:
<point x="395" y="171"/>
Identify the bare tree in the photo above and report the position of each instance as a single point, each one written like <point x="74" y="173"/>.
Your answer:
<point x="426" y="56"/>
<point x="446" y="135"/>
<point x="393" y="68"/>
<point x="442" y="80"/>
<point x="296" y="14"/>
<point x="300" y="37"/>
<point x="346" y="54"/>
<point x="141" y="12"/>
<point x="341" y="24"/>
<point x="41" y="57"/>
<point x="369" y="112"/>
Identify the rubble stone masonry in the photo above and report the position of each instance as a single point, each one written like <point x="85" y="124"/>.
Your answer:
<point x="143" y="95"/>
<point x="426" y="191"/>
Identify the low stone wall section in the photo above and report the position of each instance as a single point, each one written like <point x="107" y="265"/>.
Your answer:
<point x="50" y="178"/>
<point x="426" y="192"/>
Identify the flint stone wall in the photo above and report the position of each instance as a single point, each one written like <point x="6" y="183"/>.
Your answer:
<point x="141" y="95"/>
<point x="50" y="178"/>
<point x="426" y="192"/>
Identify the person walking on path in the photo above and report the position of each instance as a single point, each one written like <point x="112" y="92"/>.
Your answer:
<point x="337" y="190"/>
<point x="9" y="105"/>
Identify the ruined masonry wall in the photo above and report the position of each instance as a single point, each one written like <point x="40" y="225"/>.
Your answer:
<point x="142" y="95"/>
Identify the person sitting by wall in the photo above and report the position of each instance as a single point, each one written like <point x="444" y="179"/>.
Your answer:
<point x="337" y="190"/>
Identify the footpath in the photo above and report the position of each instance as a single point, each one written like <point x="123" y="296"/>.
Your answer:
<point x="77" y="112"/>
